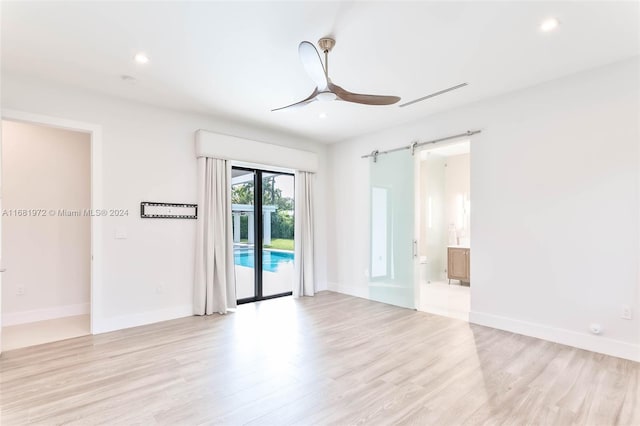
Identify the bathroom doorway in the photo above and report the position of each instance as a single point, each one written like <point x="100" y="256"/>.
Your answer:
<point x="443" y="198"/>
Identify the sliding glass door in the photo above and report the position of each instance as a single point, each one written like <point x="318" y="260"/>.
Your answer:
<point x="263" y="243"/>
<point x="244" y="225"/>
<point x="392" y="238"/>
<point x="278" y="225"/>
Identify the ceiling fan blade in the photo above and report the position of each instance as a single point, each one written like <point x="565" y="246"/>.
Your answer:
<point x="358" y="98"/>
<point x="312" y="63"/>
<point x="307" y="100"/>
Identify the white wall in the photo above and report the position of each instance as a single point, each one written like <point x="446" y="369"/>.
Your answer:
<point x="148" y="155"/>
<point x="47" y="256"/>
<point x="555" y="207"/>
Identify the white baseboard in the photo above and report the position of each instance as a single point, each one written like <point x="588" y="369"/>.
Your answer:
<point x="105" y="325"/>
<point x="15" y="318"/>
<point x="585" y="341"/>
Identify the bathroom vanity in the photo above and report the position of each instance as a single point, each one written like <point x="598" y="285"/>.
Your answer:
<point x="458" y="263"/>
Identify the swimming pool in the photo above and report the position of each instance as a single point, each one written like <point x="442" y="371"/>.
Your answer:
<point x="271" y="260"/>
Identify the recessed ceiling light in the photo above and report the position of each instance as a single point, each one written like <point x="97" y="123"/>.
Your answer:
<point x="322" y="115"/>
<point x="141" y="58"/>
<point x="549" y="24"/>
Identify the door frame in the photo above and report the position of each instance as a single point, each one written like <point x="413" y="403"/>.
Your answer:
<point x="418" y="209"/>
<point x="258" y="228"/>
<point x="95" y="133"/>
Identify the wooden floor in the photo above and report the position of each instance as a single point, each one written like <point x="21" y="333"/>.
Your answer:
<point x="331" y="359"/>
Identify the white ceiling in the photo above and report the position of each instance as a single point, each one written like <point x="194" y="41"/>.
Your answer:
<point x="240" y="60"/>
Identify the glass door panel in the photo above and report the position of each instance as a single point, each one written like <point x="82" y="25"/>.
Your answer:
<point x="242" y="209"/>
<point x="262" y="242"/>
<point x="277" y="235"/>
<point x="392" y="264"/>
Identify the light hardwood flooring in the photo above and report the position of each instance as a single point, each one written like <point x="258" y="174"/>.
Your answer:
<point x="330" y="359"/>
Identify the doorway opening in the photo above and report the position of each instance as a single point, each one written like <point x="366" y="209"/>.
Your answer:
<point x="46" y="234"/>
<point x="444" y="229"/>
<point x="263" y="244"/>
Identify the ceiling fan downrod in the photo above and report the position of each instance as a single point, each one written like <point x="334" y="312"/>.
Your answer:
<point x="326" y="44"/>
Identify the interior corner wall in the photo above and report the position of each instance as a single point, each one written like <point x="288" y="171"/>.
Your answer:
<point x="46" y="253"/>
<point x="555" y="207"/>
<point x="148" y="154"/>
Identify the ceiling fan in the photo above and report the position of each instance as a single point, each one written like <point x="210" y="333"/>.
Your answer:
<point x="325" y="89"/>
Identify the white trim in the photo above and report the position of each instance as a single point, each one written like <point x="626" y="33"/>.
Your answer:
<point x="15" y="318"/>
<point x="585" y="341"/>
<point x="144" y="318"/>
<point x="226" y="147"/>
<point x="95" y="131"/>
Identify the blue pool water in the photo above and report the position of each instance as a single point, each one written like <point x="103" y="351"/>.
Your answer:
<point x="271" y="260"/>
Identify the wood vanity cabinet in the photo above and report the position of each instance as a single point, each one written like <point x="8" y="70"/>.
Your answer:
<point x="458" y="264"/>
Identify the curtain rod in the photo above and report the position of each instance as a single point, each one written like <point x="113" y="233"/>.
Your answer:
<point x="414" y="145"/>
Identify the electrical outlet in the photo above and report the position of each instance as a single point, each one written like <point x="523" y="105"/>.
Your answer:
<point x="159" y="289"/>
<point x="626" y="312"/>
<point x="20" y="290"/>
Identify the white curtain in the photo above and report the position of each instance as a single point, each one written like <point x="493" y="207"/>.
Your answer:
<point x="215" y="286"/>
<point x="304" y="275"/>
